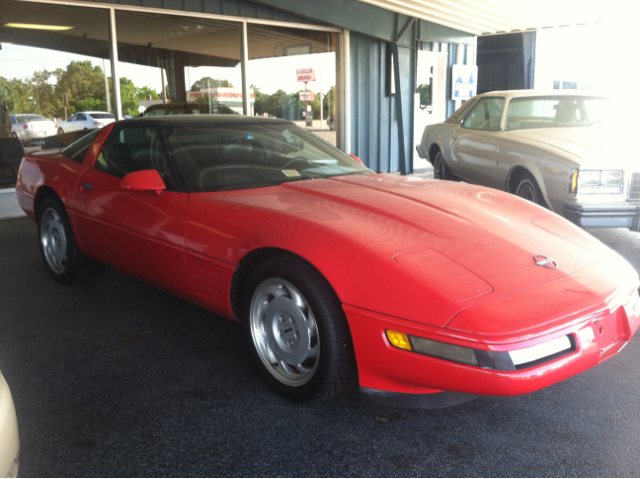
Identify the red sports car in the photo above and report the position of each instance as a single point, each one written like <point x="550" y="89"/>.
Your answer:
<point x="423" y="292"/>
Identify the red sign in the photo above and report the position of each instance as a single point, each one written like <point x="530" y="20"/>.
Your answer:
<point x="307" y="96"/>
<point x="306" y="74"/>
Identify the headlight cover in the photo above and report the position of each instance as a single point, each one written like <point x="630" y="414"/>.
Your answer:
<point x="596" y="182"/>
<point x="501" y="361"/>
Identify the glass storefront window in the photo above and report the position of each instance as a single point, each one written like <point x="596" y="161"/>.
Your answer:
<point x="280" y="61"/>
<point x="186" y="60"/>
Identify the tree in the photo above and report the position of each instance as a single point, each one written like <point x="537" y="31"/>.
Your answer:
<point x="84" y="84"/>
<point x="208" y="82"/>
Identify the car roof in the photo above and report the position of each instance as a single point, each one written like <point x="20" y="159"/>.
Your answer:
<point x="220" y="119"/>
<point x="538" y="93"/>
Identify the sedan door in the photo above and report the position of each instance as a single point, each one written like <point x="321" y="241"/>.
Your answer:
<point x="139" y="232"/>
<point x="476" y="145"/>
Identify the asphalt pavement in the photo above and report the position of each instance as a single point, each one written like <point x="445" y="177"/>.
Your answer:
<point x="116" y="378"/>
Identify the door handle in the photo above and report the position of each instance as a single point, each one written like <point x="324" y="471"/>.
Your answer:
<point x="87" y="187"/>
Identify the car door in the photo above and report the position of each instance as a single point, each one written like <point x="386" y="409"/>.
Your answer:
<point x="139" y="232"/>
<point x="80" y="122"/>
<point x="475" y="146"/>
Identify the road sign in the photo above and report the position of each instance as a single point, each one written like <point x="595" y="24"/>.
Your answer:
<point x="307" y="96"/>
<point x="305" y="74"/>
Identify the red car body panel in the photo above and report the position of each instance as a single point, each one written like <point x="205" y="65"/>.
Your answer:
<point x="435" y="259"/>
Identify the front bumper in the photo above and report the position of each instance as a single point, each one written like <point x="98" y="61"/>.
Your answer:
<point x="9" y="442"/>
<point x="420" y="151"/>
<point x="392" y="376"/>
<point x="614" y="216"/>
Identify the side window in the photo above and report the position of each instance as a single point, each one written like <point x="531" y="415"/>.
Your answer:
<point x="72" y="118"/>
<point x="485" y="115"/>
<point x="81" y="117"/>
<point x="133" y="149"/>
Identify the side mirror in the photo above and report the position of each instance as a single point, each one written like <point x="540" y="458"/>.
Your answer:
<point x="357" y="159"/>
<point x="143" y="180"/>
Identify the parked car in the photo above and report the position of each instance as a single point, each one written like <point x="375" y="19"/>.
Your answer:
<point x="559" y="149"/>
<point x="27" y="126"/>
<point x="9" y="441"/>
<point x="191" y="108"/>
<point x="85" y="120"/>
<point x="423" y="292"/>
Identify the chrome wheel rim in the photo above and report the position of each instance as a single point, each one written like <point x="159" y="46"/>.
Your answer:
<point x="525" y="191"/>
<point x="284" y="332"/>
<point x="53" y="240"/>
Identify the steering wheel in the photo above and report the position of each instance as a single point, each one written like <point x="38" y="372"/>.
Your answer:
<point x="296" y="159"/>
<point x="208" y="177"/>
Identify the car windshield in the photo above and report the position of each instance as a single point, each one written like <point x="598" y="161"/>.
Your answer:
<point x="229" y="157"/>
<point x="557" y="112"/>
<point x="102" y="116"/>
<point x="26" y="118"/>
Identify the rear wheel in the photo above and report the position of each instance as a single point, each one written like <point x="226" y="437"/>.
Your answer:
<point x="440" y="169"/>
<point x="529" y="190"/>
<point x="62" y="259"/>
<point x="297" y="330"/>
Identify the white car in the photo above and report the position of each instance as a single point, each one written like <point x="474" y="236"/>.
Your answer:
<point x="568" y="151"/>
<point x="85" y="120"/>
<point x="9" y="442"/>
<point x="27" y="126"/>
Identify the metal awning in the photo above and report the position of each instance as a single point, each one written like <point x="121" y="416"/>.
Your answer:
<point x="482" y="17"/>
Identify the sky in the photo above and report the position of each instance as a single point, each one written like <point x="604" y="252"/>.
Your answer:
<point x="269" y="75"/>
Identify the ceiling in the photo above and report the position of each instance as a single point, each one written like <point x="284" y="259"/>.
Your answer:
<point x="481" y="17"/>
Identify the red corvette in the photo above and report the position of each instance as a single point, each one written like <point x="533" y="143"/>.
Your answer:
<point x="423" y="292"/>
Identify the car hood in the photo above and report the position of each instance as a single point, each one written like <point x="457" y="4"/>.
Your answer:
<point x="603" y="145"/>
<point x="415" y="244"/>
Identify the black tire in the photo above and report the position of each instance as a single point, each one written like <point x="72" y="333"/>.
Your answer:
<point x="529" y="190"/>
<point x="440" y="169"/>
<point x="62" y="259"/>
<point x="60" y="131"/>
<point x="301" y="345"/>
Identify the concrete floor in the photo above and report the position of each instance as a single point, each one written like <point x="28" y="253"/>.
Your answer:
<point x="115" y="378"/>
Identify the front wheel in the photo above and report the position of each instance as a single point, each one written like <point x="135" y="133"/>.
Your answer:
<point x="62" y="258"/>
<point x="529" y="190"/>
<point x="297" y="330"/>
<point x="440" y="169"/>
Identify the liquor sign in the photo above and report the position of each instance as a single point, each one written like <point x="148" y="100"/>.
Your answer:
<point x="307" y="96"/>
<point x="305" y="74"/>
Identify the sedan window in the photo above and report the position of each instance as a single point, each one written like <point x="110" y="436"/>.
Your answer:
<point x="81" y="117"/>
<point x="554" y="112"/>
<point x="486" y="115"/>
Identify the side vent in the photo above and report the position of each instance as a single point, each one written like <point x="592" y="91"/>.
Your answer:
<point x="205" y="280"/>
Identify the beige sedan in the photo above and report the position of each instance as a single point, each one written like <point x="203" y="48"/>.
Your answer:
<point x="557" y="149"/>
<point x="9" y="443"/>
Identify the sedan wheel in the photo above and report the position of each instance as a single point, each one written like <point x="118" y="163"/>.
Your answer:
<point x="297" y="330"/>
<point x="529" y="190"/>
<point x="440" y="169"/>
<point x="60" y="131"/>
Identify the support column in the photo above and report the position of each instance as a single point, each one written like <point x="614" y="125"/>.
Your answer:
<point x="244" y="59"/>
<point x="342" y="118"/>
<point x="113" y="57"/>
<point x="403" y="75"/>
